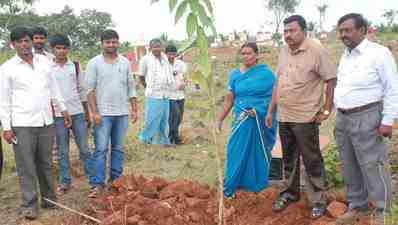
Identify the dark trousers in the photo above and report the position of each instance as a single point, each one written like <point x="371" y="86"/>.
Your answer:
<point x="302" y="139"/>
<point x="33" y="158"/>
<point x="175" y="119"/>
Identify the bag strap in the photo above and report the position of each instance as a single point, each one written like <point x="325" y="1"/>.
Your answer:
<point x="77" y="72"/>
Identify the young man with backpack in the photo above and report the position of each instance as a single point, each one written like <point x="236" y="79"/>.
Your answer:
<point x="74" y="91"/>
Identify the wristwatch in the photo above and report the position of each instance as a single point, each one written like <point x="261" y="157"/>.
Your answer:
<point x="326" y="112"/>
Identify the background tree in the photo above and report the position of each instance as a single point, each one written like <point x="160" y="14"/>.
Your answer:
<point x="280" y="9"/>
<point x="322" y="15"/>
<point x="390" y="16"/>
<point x="10" y="12"/>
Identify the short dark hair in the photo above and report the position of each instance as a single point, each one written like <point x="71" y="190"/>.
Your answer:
<point x="155" y="41"/>
<point x="171" y="48"/>
<point x="299" y="19"/>
<point x="59" y="39"/>
<point x="359" y="20"/>
<point x="20" y="32"/>
<point x="39" y="30"/>
<point x="251" y="45"/>
<point x="109" y="34"/>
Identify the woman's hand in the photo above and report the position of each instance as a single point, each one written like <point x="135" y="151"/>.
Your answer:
<point x="268" y="120"/>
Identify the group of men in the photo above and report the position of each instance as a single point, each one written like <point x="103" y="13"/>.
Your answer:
<point x="45" y="95"/>
<point x="364" y="92"/>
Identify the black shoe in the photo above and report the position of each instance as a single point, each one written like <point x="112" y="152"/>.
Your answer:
<point x="30" y="213"/>
<point x="48" y="205"/>
<point x="283" y="201"/>
<point x="318" y="211"/>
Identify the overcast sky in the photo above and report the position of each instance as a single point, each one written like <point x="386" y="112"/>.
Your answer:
<point x="139" y="20"/>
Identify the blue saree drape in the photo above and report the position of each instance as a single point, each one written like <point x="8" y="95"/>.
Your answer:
<point x="250" y="142"/>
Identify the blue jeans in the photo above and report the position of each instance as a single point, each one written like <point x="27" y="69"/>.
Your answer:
<point x="80" y="133"/>
<point x="112" y="129"/>
<point x="156" y="127"/>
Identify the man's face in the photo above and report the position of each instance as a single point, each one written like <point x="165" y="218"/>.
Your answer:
<point x="156" y="49"/>
<point x="171" y="56"/>
<point x="293" y="34"/>
<point x="110" y="46"/>
<point x="39" y="40"/>
<point x="349" y="34"/>
<point x="23" y="46"/>
<point x="61" y="52"/>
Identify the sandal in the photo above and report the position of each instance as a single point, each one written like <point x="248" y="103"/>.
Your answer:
<point x="318" y="211"/>
<point x="95" y="192"/>
<point x="63" y="188"/>
<point x="282" y="202"/>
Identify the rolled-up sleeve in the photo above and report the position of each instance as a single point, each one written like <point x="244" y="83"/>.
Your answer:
<point x="91" y="77"/>
<point x="5" y="99"/>
<point x="389" y="79"/>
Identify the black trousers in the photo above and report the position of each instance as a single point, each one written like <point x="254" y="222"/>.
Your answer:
<point x="302" y="139"/>
<point x="175" y="119"/>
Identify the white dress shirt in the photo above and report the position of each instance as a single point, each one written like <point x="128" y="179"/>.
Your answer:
<point x="72" y="86"/>
<point x="158" y="76"/>
<point x="26" y="93"/>
<point x="179" y="68"/>
<point x="368" y="74"/>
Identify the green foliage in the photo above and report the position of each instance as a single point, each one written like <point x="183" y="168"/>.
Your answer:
<point x="333" y="167"/>
<point x="281" y="8"/>
<point x="83" y="29"/>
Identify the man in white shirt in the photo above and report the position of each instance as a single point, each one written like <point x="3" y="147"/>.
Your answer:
<point x="177" y="97"/>
<point x="74" y="91"/>
<point x="366" y="98"/>
<point x="157" y="78"/>
<point x="39" y="41"/>
<point x="26" y="92"/>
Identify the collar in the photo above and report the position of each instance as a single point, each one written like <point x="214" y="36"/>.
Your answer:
<point x="162" y="58"/>
<point x="19" y="60"/>
<point x="302" y="48"/>
<point x="68" y="63"/>
<point x="360" y="48"/>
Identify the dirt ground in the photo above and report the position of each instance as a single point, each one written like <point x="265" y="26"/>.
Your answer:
<point x="136" y="200"/>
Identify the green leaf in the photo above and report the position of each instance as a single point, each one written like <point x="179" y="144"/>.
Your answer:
<point x="201" y="39"/>
<point x="192" y="24"/>
<point x="209" y="6"/>
<point x="194" y="4"/>
<point x="180" y="10"/>
<point x="203" y="16"/>
<point x="198" y="78"/>
<point x="212" y="26"/>
<point x="172" y="4"/>
<point x="186" y="46"/>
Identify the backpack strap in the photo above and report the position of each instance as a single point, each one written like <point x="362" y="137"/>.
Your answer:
<point x="77" y="72"/>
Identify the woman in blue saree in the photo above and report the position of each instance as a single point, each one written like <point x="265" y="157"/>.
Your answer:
<point x="250" y="142"/>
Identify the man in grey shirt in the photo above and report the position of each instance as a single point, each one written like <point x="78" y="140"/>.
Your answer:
<point x="111" y="88"/>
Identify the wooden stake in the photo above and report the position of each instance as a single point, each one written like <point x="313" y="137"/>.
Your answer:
<point x="73" y="211"/>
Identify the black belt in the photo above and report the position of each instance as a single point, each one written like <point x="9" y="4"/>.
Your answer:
<point x="359" y="108"/>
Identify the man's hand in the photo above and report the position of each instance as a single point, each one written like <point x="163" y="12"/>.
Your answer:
<point x="88" y="120"/>
<point x="218" y="127"/>
<point x="134" y="116"/>
<point x="268" y="120"/>
<point x="251" y="112"/>
<point x="319" y="118"/>
<point x="385" y="131"/>
<point x="9" y="136"/>
<point x="97" y="119"/>
<point x="67" y="119"/>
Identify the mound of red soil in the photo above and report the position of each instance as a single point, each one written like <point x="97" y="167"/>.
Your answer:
<point x="136" y="200"/>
